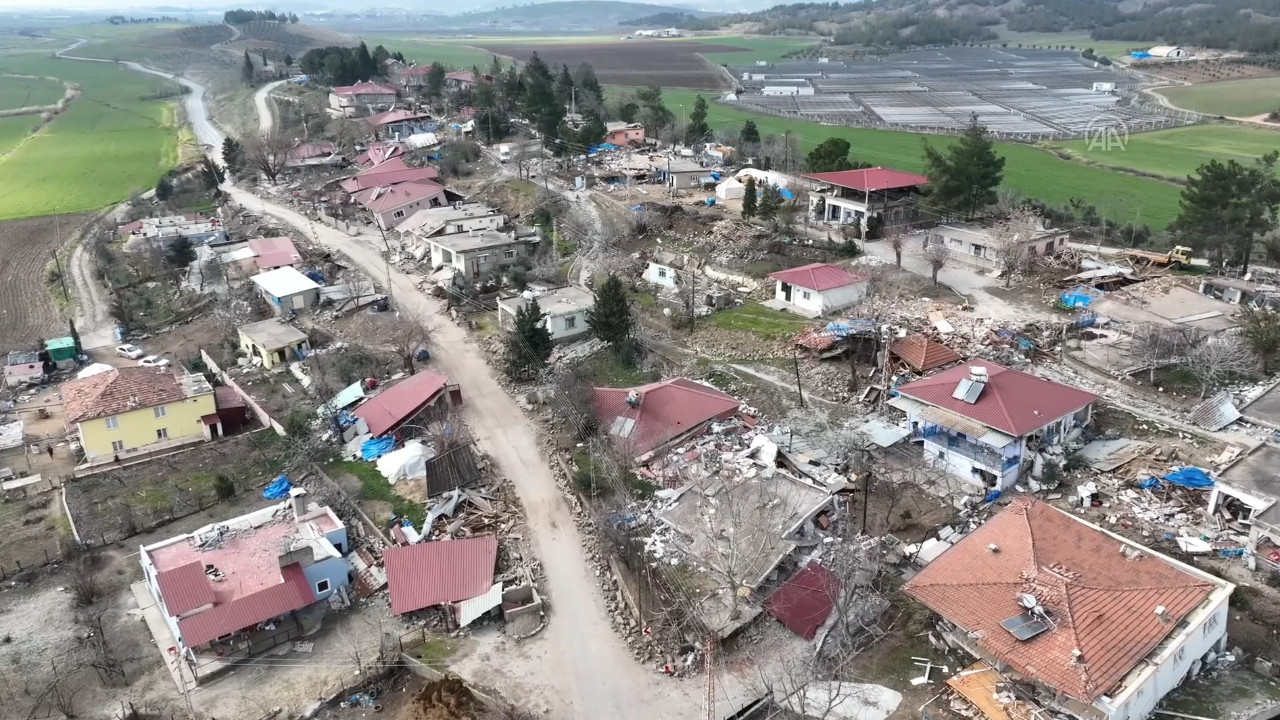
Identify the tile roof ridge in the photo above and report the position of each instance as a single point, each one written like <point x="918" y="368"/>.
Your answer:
<point x="1086" y="677"/>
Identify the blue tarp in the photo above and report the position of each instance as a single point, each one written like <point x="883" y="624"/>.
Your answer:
<point x="374" y="448"/>
<point x="1190" y="477"/>
<point x="315" y="276"/>
<point x="992" y="496"/>
<point x="1076" y="298"/>
<point x="278" y="489"/>
<point x="1140" y="55"/>
<point x="715" y="176"/>
<point x="786" y="194"/>
<point x="845" y="328"/>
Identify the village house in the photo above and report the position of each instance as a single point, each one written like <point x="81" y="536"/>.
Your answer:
<point x="197" y="228"/>
<point x="363" y="98"/>
<point x="645" y="419"/>
<point x="380" y="152"/>
<point x="392" y="171"/>
<point x="273" y="342"/>
<point x="399" y="124"/>
<point x="565" y="310"/>
<point x="660" y="271"/>
<point x="413" y="79"/>
<point x="463" y="79"/>
<point x="1248" y="492"/>
<point x="477" y="253"/>
<point x="624" y="134"/>
<point x="858" y="196"/>
<point x="973" y="244"/>
<point x="314" y="155"/>
<point x="401" y="403"/>
<point x="679" y="174"/>
<point x="391" y="205"/>
<point x="287" y="290"/>
<point x="274" y="252"/>
<point x="427" y="574"/>
<point x="242" y="586"/>
<point x="983" y="421"/>
<point x="23" y="367"/>
<point x="1097" y="626"/>
<point x="460" y="217"/>
<point x="132" y="410"/>
<point x="816" y="289"/>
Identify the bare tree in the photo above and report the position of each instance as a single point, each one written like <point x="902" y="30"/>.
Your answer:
<point x="267" y="152"/>
<point x="897" y="240"/>
<point x="937" y="256"/>
<point x="1155" y="346"/>
<point x="1011" y="237"/>
<point x="1218" y="359"/>
<point x="410" y="335"/>
<point x="86" y="572"/>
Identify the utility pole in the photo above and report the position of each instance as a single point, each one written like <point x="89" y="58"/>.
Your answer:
<point x="543" y="163"/>
<point x="786" y="151"/>
<point x="795" y="359"/>
<point x="57" y="225"/>
<point x="866" y="498"/>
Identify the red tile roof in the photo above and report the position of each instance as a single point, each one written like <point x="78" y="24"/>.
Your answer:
<point x="379" y="153"/>
<point x="805" y="601"/>
<point x="274" y="252"/>
<point x="668" y="409"/>
<point x="294" y="593"/>
<point x="364" y="88"/>
<point x="397" y="115"/>
<point x="399" y="403"/>
<point x="388" y="197"/>
<point x="877" y="178"/>
<point x="387" y="173"/>
<point x="818" y="276"/>
<point x="1013" y="402"/>
<point x="923" y="353"/>
<point x="119" y="391"/>
<point x="184" y="588"/>
<point x="1100" y="600"/>
<point x="429" y="573"/>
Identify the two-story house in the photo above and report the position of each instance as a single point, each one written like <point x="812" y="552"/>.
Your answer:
<point x="856" y="196"/>
<point x="624" y="134"/>
<point x="564" y="309"/>
<point x="982" y="421"/>
<point x="461" y="217"/>
<point x="362" y="98"/>
<point x="392" y="205"/>
<point x="477" y="253"/>
<point x="133" y="410"/>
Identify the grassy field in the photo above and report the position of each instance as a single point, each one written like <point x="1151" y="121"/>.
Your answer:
<point x="423" y="50"/>
<point x="1232" y="98"/>
<point x="13" y="130"/>
<point x="120" y="42"/>
<point x="1177" y="153"/>
<point x="109" y="143"/>
<point x="1035" y="172"/>
<point x="16" y="92"/>
<point x="1080" y="40"/>
<point x="765" y="322"/>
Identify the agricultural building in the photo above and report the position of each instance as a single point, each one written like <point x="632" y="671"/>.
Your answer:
<point x="273" y="342"/>
<point x="132" y="410"/>
<point x="816" y="289"/>
<point x="982" y="421"/>
<point x="1099" y="627"/>
<point x="242" y="586"/>
<point x="1167" y="51"/>
<point x="565" y="310"/>
<point x="401" y="403"/>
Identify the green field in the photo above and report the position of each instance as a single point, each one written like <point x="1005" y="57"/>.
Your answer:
<point x="1034" y="172"/>
<point x="1080" y="40"/>
<point x="109" y="143"/>
<point x="17" y="92"/>
<point x="1232" y="98"/>
<point x="120" y="42"/>
<point x="13" y="130"/>
<point x="1177" y="153"/>
<point x="424" y="50"/>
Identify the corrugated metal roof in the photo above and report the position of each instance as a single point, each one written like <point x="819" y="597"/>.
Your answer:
<point x="184" y="588"/>
<point x="431" y="573"/>
<point x="876" y="178"/>
<point x="1216" y="412"/>
<point x="471" y="609"/>
<point x="805" y="601"/>
<point x="397" y="404"/>
<point x="818" y="276"/>
<point x="292" y="594"/>
<point x="451" y="469"/>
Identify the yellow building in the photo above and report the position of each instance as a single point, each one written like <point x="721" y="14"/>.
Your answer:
<point x="133" y="410"/>
<point x="273" y="342"/>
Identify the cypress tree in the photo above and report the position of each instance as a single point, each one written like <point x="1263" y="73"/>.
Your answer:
<point x="610" y="318"/>
<point x="528" y="343"/>
<point x="749" y="197"/>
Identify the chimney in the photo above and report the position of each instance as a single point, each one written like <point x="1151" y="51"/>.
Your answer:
<point x="1162" y="613"/>
<point x="633" y="398"/>
<point x="1077" y="656"/>
<point x="993" y="548"/>
<point x="977" y="373"/>
<point x="299" y="505"/>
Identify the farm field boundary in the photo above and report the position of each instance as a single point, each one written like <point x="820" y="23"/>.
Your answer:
<point x="1230" y="98"/>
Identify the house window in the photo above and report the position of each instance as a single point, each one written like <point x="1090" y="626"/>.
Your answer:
<point x="117" y="446"/>
<point x="570" y="322"/>
<point x="978" y="250"/>
<point x="804" y="294"/>
<point x="457" y="228"/>
<point x="322" y="586"/>
<point x="398" y="214"/>
<point x="508" y="254"/>
<point x="162" y="433"/>
<point x="1048" y="247"/>
<point x="113" y="422"/>
<point x="483" y="259"/>
<point x="662" y="272"/>
<point x="160" y="411"/>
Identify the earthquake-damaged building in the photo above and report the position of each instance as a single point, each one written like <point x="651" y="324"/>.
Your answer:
<point x="646" y="419"/>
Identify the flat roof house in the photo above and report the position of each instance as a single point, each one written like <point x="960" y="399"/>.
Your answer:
<point x="477" y="253"/>
<point x="240" y="587"/>
<point x="286" y="289"/>
<point x="391" y="205"/>
<point x="816" y="289"/>
<point x="679" y="174"/>
<point x="981" y="421"/>
<point x="132" y="410"/>
<point x="564" y="308"/>
<point x="362" y="98"/>
<point x="973" y="244"/>
<point x="856" y="196"/>
<point x="273" y="342"/>
<point x="1249" y="490"/>
<point x="624" y="134"/>
<point x="1100" y="627"/>
<point x="460" y="217"/>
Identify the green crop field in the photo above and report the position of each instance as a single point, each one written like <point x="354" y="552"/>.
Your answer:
<point x="1232" y="98"/>
<point x="110" y="142"/>
<point x="120" y="42"/>
<point x="1034" y="172"/>
<point x="17" y="92"/>
<point x="1177" y="153"/>
<point x="447" y="52"/>
<point x="1080" y="40"/>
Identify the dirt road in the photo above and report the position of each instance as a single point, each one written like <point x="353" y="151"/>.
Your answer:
<point x="262" y="102"/>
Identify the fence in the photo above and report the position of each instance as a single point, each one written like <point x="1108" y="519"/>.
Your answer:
<point x="338" y="223"/>
<point x="225" y="378"/>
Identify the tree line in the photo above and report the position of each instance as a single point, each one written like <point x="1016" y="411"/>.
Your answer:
<point x="336" y="65"/>
<point x="242" y="17"/>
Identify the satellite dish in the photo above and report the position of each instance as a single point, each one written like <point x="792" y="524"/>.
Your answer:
<point x="1027" y="600"/>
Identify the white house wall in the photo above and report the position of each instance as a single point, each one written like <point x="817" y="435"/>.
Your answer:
<point x="813" y="303"/>
<point x="658" y="274"/>
<point x="842" y="297"/>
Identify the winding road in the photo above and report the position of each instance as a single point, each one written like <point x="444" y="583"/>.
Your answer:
<point x="577" y="667"/>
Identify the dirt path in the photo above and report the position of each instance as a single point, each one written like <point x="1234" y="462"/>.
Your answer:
<point x="262" y="102"/>
<point x="94" y="320"/>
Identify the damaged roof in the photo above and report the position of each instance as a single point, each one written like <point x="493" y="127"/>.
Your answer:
<point x="119" y="391"/>
<point x="663" y="411"/>
<point x="805" y="601"/>
<point x="922" y="353"/>
<point x="430" y="573"/>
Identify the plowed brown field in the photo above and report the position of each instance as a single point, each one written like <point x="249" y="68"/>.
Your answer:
<point x="27" y="311"/>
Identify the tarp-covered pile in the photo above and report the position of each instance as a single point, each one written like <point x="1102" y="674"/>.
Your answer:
<point x="407" y="463"/>
<point x="278" y="489"/>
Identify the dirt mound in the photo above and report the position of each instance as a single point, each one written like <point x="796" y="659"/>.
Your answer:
<point x="446" y="699"/>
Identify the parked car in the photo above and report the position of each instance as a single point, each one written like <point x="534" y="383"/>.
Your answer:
<point x="153" y="361"/>
<point x="133" y="352"/>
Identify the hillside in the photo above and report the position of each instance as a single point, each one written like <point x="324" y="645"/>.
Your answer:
<point x="560" y="16"/>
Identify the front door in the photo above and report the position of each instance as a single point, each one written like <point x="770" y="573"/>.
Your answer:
<point x="786" y="292"/>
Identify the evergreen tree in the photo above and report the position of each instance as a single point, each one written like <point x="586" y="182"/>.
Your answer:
<point x="75" y="337"/>
<point x="365" y="66"/>
<point x="246" y="70"/>
<point x="492" y="123"/>
<point x="610" y="318"/>
<point x="180" y="253"/>
<point x="593" y="129"/>
<point x="1226" y="206"/>
<point x="435" y="80"/>
<point x="749" y="197"/>
<point x="528" y="344"/>
<point x="232" y="155"/>
<point x="288" y="60"/>
<point x="587" y="83"/>
<point x="770" y="201"/>
<point x="164" y="188"/>
<point x="380" y="57"/>
<point x="697" y="129"/>
<point x="495" y="68"/>
<point x="750" y="134"/>
<point x="831" y="155"/>
<point x="652" y="111"/>
<point x="965" y="178"/>
<point x="511" y="89"/>
<point x="564" y="87"/>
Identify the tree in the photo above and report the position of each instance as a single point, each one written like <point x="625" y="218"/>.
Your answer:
<point x="749" y="135"/>
<point x="288" y="60"/>
<point x="897" y="241"/>
<point x="233" y="155"/>
<point x="540" y="105"/>
<point x="492" y="123"/>
<point x="965" y="178"/>
<point x="365" y="65"/>
<point x="75" y="337"/>
<point x="1218" y="359"/>
<point x="610" y="318"/>
<point x="1260" y="328"/>
<point x="528" y="344"/>
<point x="164" y="188"/>
<point x="588" y="84"/>
<point x="697" y="128"/>
<point x="1225" y="207"/>
<point x="564" y="87"/>
<point x="831" y="155"/>
<point x="211" y="175"/>
<point x="267" y="153"/>
<point x="770" y="201"/>
<point x="653" y="113"/>
<point x="749" y="197"/>
<point x="180" y="253"/>
<point x="246" y="70"/>
<point x="936" y="255"/>
<point x="435" y="80"/>
<point x="1010" y="237"/>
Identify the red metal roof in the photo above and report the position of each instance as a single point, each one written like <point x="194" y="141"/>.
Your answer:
<point x="399" y="403"/>
<point x="1013" y="402"/>
<point x="805" y="601"/>
<point x="819" y="276"/>
<point x="922" y="353"/>
<point x="364" y="88"/>
<point x="382" y="198"/>
<point x="247" y="611"/>
<point x="226" y="397"/>
<point x="668" y="409"/>
<point x="1101" y="601"/>
<point x="429" y="573"/>
<point x="274" y="252"/>
<point x="387" y="173"/>
<point x="876" y="178"/>
<point x="397" y="115"/>
<point x="184" y="588"/>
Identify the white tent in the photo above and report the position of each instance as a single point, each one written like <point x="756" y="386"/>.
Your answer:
<point x="775" y="179"/>
<point x="418" y="141"/>
<point x="407" y="463"/>
<point x="730" y="189"/>
<point x="94" y="369"/>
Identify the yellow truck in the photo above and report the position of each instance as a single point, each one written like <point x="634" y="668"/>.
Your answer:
<point x="1178" y="257"/>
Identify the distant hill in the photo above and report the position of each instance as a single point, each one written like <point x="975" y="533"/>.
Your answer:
<point x="564" y="16"/>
